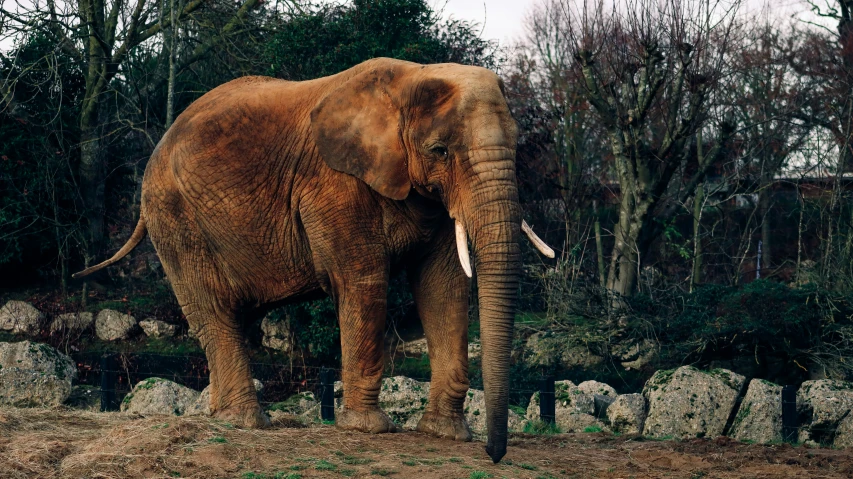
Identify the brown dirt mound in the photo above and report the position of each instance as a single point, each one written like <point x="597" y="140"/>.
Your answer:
<point x="36" y="443"/>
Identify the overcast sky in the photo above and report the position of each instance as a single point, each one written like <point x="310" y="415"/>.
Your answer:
<point x="504" y="19"/>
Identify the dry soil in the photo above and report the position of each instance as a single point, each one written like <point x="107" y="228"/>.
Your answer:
<point x="38" y="443"/>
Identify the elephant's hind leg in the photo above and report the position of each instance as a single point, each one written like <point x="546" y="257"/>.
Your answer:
<point x="233" y="398"/>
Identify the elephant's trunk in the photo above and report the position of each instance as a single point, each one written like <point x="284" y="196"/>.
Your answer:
<point x="495" y="223"/>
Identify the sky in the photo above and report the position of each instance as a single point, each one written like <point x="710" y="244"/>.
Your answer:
<point x="503" y="20"/>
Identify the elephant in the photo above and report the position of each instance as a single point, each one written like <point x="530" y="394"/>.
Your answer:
<point x="265" y="192"/>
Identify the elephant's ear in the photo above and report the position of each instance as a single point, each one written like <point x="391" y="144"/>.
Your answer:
<point x="357" y="131"/>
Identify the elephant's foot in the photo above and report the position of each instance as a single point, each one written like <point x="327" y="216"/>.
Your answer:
<point x="374" y="421"/>
<point x="249" y="417"/>
<point x="453" y="427"/>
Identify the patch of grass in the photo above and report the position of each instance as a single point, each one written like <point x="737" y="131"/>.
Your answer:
<point x="455" y="460"/>
<point x="355" y="461"/>
<point x="291" y="475"/>
<point x="528" y="467"/>
<point x="382" y="472"/>
<point x="541" y="427"/>
<point x="410" y="462"/>
<point x="479" y="475"/>
<point x="347" y="472"/>
<point x="218" y="440"/>
<point x="592" y="429"/>
<point x="323" y="465"/>
<point x="297" y="467"/>
<point x="253" y="475"/>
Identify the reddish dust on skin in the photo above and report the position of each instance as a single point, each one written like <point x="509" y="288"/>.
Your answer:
<point x="65" y="443"/>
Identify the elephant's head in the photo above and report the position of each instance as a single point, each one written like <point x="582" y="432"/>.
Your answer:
<point x="446" y="131"/>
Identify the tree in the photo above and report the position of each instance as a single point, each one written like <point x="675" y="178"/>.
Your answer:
<point x="100" y="35"/>
<point x="649" y="70"/>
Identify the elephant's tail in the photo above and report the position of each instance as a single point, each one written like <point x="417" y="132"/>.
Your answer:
<point x="134" y="240"/>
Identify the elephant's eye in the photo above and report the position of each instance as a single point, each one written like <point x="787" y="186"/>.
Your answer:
<point x="439" y="150"/>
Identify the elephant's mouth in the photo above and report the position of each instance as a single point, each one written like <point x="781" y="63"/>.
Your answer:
<point x="465" y="258"/>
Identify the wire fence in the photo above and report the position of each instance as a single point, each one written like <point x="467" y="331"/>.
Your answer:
<point x="116" y="374"/>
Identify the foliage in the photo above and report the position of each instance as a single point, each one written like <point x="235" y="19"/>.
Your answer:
<point x="332" y="38"/>
<point x="37" y="139"/>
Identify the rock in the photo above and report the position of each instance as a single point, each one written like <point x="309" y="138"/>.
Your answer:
<point x="20" y="317"/>
<point x="415" y="348"/>
<point x="687" y="403"/>
<point x="277" y="334"/>
<point x="635" y="354"/>
<point x="301" y="404"/>
<point x="157" y="329"/>
<point x="404" y="399"/>
<point x="159" y="396"/>
<point x="573" y="408"/>
<point x="822" y="405"/>
<point x="600" y="405"/>
<point x="84" y="398"/>
<point x="111" y="325"/>
<point x="627" y="414"/>
<point x="602" y="396"/>
<point x="759" y="418"/>
<point x="844" y="433"/>
<point x="201" y="406"/>
<point x="548" y="349"/>
<point x="71" y="322"/>
<point x="474" y="350"/>
<point x="34" y="374"/>
<point x="475" y="413"/>
<point x="595" y="387"/>
<point x="28" y="388"/>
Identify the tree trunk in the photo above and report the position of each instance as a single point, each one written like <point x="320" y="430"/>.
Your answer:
<point x="764" y="205"/>
<point x="698" y="201"/>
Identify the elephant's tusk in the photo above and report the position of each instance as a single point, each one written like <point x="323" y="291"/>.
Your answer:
<point x="462" y="247"/>
<point x="537" y="241"/>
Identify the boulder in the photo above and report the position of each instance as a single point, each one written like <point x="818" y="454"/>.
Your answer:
<point x="474" y="350"/>
<point x="201" y="405"/>
<point x="822" y="406"/>
<point x="687" y="403"/>
<point x="627" y="414"/>
<point x="71" y="322"/>
<point x="549" y="349"/>
<point x="759" y="418"/>
<point x="301" y="404"/>
<point x="415" y="347"/>
<point x="20" y="317"/>
<point x="844" y="433"/>
<point x="595" y="387"/>
<point x="159" y="396"/>
<point x="475" y="413"/>
<point x="634" y="354"/>
<point x="34" y="374"/>
<point x="602" y="396"/>
<point x="111" y="325"/>
<point x="404" y="399"/>
<point x="574" y="409"/>
<point x="157" y="329"/>
<point x="277" y="334"/>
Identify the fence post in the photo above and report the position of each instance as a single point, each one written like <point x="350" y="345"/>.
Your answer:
<point x="789" y="414"/>
<point x="108" y="383"/>
<point x="327" y="395"/>
<point x="547" y="406"/>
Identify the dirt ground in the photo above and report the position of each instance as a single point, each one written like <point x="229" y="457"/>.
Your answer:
<point x="38" y="443"/>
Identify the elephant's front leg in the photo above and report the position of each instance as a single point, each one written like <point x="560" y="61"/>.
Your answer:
<point x="362" y="304"/>
<point x="440" y="290"/>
